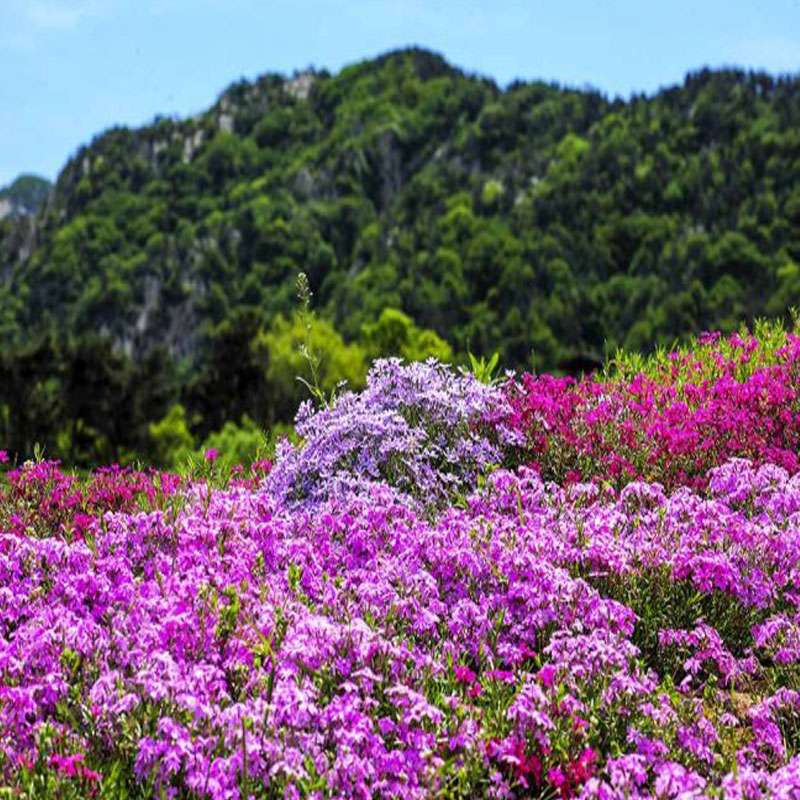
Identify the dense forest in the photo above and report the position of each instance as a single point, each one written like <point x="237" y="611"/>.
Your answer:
<point x="149" y="303"/>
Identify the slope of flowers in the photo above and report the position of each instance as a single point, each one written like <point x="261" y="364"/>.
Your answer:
<point x="671" y="422"/>
<point x="400" y="620"/>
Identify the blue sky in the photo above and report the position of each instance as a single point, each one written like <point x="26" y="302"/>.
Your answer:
<point x="71" y="68"/>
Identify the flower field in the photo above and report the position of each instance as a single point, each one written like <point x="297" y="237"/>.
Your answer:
<point x="448" y="588"/>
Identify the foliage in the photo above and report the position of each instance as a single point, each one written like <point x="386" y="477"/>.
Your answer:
<point x="536" y="221"/>
<point x="172" y="440"/>
<point x="237" y="444"/>
<point x="485" y="371"/>
<point x="281" y="351"/>
<point x="80" y="400"/>
<point x="395" y="334"/>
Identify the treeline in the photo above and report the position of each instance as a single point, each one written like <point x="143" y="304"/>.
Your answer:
<point x="550" y="225"/>
<point x="82" y="400"/>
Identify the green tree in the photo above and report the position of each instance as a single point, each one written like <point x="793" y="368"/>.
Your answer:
<point x="172" y="440"/>
<point x="279" y="351"/>
<point x="395" y="334"/>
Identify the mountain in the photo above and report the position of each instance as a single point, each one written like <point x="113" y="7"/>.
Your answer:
<point x="25" y="196"/>
<point x="534" y="218"/>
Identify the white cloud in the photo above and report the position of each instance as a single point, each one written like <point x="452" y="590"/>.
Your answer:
<point x="23" y="23"/>
<point x="58" y="15"/>
<point x="54" y="16"/>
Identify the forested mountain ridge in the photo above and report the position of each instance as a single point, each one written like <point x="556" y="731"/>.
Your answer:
<point x="534" y="218"/>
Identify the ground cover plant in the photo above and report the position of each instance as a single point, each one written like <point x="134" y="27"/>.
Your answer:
<point x="405" y="603"/>
<point x="668" y="418"/>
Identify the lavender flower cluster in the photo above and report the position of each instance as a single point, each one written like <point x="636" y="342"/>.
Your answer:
<point x="345" y="630"/>
<point x="421" y="428"/>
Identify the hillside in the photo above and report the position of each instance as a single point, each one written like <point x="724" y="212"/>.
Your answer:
<point x="534" y="218"/>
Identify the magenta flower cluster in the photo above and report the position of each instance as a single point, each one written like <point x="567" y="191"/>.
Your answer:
<point x="671" y="425"/>
<point x="400" y="611"/>
<point x="39" y="498"/>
